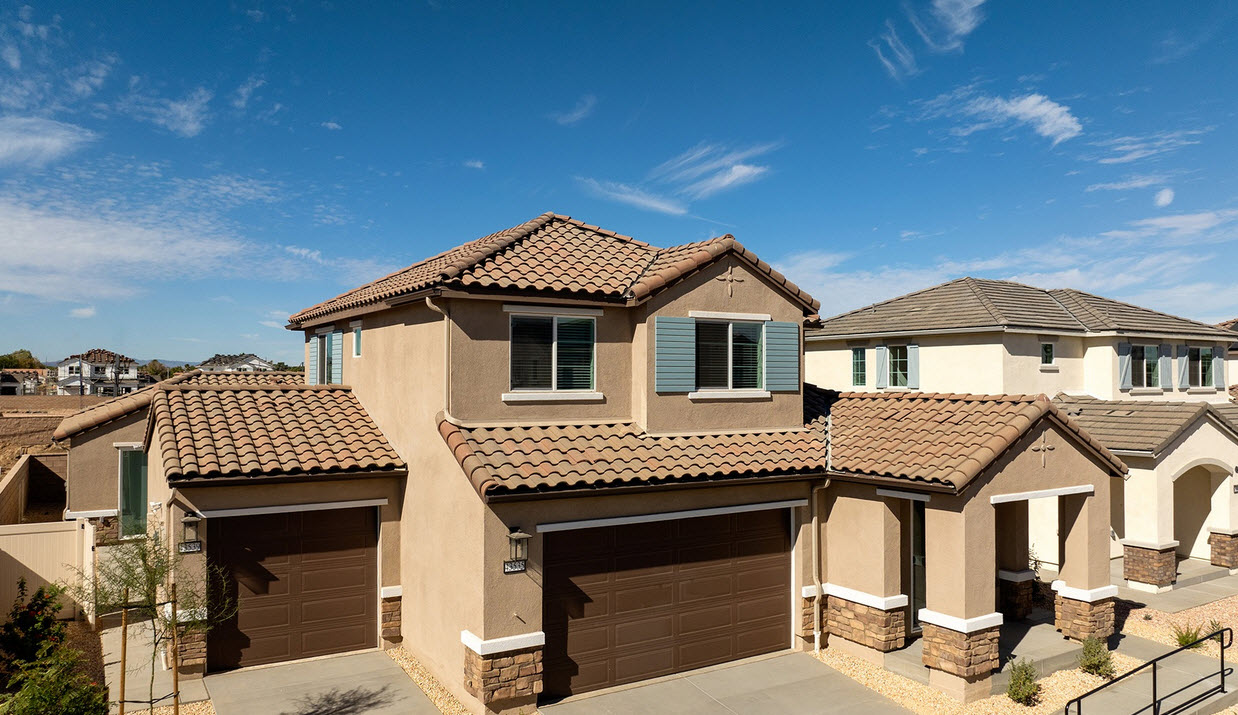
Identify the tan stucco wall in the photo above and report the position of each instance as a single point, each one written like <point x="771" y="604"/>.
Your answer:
<point x="862" y="540"/>
<point x="967" y="362"/>
<point x="94" y="465"/>
<point x="1023" y="373"/>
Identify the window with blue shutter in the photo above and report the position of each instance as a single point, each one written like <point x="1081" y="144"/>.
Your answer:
<point x="674" y="347"/>
<point x="1166" y="368"/>
<point x="782" y="357"/>
<point x="311" y="362"/>
<point x="1184" y="367"/>
<point x="1218" y="370"/>
<point x="913" y="366"/>
<point x="1124" y="366"/>
<point x="336" y="344"/>
<point x="883" y="366"/>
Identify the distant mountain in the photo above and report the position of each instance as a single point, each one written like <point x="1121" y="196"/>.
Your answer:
<point x="169" y="363"/>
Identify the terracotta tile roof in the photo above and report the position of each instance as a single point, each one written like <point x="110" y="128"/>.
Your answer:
<point x="118" y="407"/>
<point x="982" y="303"/>
<point x="942" y="439"/>
<point x="221" y="359"/>
<point x="1137" y="425"/>
<point x="550" y="254"/>
<point x="210" y="432"/>
<point x="1231" y="324"/>
<point x="100" y="355"/>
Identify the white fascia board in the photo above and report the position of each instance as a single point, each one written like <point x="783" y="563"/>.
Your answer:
<point x="902" y="333"/>
<point x="961" y="625"/>
<point x="502" y="645"/>
<point x="1090" y="595"/>
<point x="669" y="515"/>
<point x="1042" y="493"/>
<point x="900" y="494"/>
<point x="715" y="315"/>
<point x="286" y="508"/>
<point x="549" y="310"/>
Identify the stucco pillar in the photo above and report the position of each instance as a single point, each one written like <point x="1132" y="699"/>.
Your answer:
<point x="1016" y="580"/>
<point x="1083" y="606"/>
<point x="960" y="625"/>
<point x="1148" y="550"/>
<point x="1223" y="527"/>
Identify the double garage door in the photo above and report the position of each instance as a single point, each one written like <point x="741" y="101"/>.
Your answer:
<point x="637" y="601"/>
<point x="304" y="584"/>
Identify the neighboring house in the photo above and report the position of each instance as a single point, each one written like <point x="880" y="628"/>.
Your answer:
<point x="1136" y="379"/>
<point x="22" y="381"/>
<point x="997" y="337"/>
<point x="97" y="372"/>
<point x="244" y="362"/>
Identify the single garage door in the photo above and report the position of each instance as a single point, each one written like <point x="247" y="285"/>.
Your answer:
<point x="627" y="603"/>
<point x="304" y="583"/>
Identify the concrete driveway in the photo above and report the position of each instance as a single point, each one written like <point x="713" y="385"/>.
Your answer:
<point x="787" y="684"/>
<point x="358" y="683"/>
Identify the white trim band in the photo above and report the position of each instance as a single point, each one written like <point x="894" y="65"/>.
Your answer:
<point x="1042" y="493"/>
<point x="900" y="494"/>
<point x="391" y="592"/>
<point x="1222" y="532"/>
<point x="91" y="514"/>
<point x="881" y="603"/>
<point x="961" y="625"/>
<point x="502" y="645"/>
<point x="127" y="445"/>
<point x="552" y="396"/>
<point x="728" y="395"/>
<point x="669" y="515"/>
<point x="285" y="508"/>
<point x="1016" y="576"/>
<point x="714" y="315"/>
<point x="548" y="310"/>
<point x="1138" y="544"/>
<point x="1090" y="595"/>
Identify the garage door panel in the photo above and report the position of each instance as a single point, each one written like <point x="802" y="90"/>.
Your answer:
<point x="350" y="575"/>
<point x="716" y="597"/>
<point x="354" y="605"/>
<point x="334" y="546"/>
<point x="270" y="615"/>
<point x="268" y="648"/>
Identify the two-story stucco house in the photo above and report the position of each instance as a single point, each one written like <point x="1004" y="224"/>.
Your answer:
<point x="557" y="459"/>
<point x="97" y="372"/>
<point x="1150" y="386"/>
<point x="242" y="362"/>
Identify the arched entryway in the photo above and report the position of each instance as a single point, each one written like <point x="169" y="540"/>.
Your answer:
<point x="1195" y="491"/>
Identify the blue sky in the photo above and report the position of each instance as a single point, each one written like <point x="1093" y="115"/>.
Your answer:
<point x="176" y="180"/>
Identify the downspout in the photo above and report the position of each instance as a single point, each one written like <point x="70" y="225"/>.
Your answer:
<point x="446" y="356"/>
<point x="816" y="540"/>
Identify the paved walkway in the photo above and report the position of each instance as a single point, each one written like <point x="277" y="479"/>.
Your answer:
<point x="137" y="670"/>
<point x="1198" y="583"/>
<point x="1182" y="682"/>
<point x="356" y="684"/>
<point x="787" y="684"/>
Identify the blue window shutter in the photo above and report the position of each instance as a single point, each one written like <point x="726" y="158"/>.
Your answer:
<point x="1184" y="367"/>
<point x="1166" y="369"/>
<point x="1218" y="367"/>
<point x="883" y="366"/>
<point x="913" y="366"/>
<point x="674" y="348"/>
<point x="311" y="363"/>
<point x="337" y="357"/>
<point x="1124" y="366"/>
<point x="782" y="357"/>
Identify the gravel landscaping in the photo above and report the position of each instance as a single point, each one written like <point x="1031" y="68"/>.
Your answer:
<point x="1055" y="690"/>
<point x="440" y="696"/>
<point x="1159" y="626"/>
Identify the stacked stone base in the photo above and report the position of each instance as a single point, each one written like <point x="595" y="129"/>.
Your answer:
<point x="391" y="620"/>
<point x="1017" y="598"/>
<point x="504" y="681"/>
<point x="872" y="627"/>
<point x="1080" y="620"/>
<point x="1155" y="567"/>
<point x="807" y="608"/>
<point x="966" y="655"/>
<point x="1224" y="550"/>
<point x="107" y="529"/>
<point x="191" y="648"/>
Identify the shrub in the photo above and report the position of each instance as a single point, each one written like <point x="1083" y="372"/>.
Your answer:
<point x="31" y="625"/>
<point x="1095" y="659"/>
<point x="1023" y="688"/>
<point x="51" y="684"/>
<point x="1213" y="627"/>
<point x="1186" y="635"/>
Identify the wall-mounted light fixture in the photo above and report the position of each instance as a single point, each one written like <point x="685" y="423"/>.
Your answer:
<point x="518" y="551"/>
<point x="190" y="543"/>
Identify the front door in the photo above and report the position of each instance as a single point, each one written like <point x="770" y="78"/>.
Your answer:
<point x="916" y="578"/>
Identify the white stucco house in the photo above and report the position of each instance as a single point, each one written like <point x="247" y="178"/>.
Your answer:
<point x="97" y="372"/>
<point x="244" y="362"/>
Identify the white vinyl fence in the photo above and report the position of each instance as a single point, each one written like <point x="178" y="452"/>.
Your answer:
<point x="44" y="553"/>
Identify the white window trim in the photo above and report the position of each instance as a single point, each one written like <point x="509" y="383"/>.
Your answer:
<point x="1143" y="375"/>
<point x="121" y="448"/>
<point x="706" y="395"/>
<point x="586" y="394"/>
<point x="890" y="366"/>
<point x="717" y="316"/>
<point x="1201" y="388"/>
<point x="553" y="396"/>
<point x="1052" y="356"/>
<point x="668" y="516"/>
<point x="287" y="508"/>
<point x="863" y="352"/>
<point x="730" y="392"/>
<point x="355" y="328"/>
<point x="550" y="310"/>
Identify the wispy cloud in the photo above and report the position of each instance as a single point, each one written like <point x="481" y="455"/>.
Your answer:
<point x="1130" y="182"/>
<point x="347" y="270"/>
<point x="943" y="28"/>
<point x="333" y="126"/>
<point x="633" y="196"/>
<point x="35" y="141"/>
<point x="1042" y="115"/>
<point x="1202" y="227"/>
<point x="186" y="116"/>
<point x="240" y="97"/>
<point x="584" y="107"/>
<point x="896" y="58"/>
<point x="1124" y="150"/>
<point x="1164" y="197"/>
<point x="475" y="164"/>
<point x="86" y="311"/>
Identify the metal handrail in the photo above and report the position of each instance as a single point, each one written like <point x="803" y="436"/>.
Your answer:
<point x="1156" y="701"/>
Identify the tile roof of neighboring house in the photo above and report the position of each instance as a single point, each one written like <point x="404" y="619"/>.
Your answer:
<point x="1231" y="324"/>
<point x="213" y="432"/>
<point x="982" y="303"/>
<point x="551" y="254"/>
<point x="1141" y="426"/>
<point x="220" y="359"/>
<point x="100" y="356"/>
<point x="118" y="407"/>
<point x="944" y="439"/>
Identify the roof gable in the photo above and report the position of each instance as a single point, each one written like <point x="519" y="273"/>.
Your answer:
<point x="1142" y="426"/>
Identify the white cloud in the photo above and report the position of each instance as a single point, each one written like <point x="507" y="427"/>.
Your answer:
<point x="475" y="164"/>
<point x="240" y="97"/>
<point x="1192" y="228"/>
<point x="1123" y="150"/>
<point x="1130" y="182"/>
<point x="1044" y="116"/>
<point x="634" y="196"/>
<point x="87" y="311"/>
<point x="728" y="178"/>
<point x="35" y="141"/>
<point x="333" y="126"/>
<point x="1164" y="197"/>
<point x="951" y="21"/>
<point x="901" y="61"/>
<point x="349" y="271"/>
<point x="583" y="109"/>
<point x="11" y="56"/>
<point x="186" y="116"/>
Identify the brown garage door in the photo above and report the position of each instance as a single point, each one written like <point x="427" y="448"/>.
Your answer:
<point x="626" y="603"/>
<point x="304" y="583"/>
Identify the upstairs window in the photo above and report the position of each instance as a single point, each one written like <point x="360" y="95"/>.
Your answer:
<point x="132" y="492"/>
<point x="552" y="353"/>
<point x="859" y="367"/>
<point x="728" y="355"/>
<point x="1145" y="365"/>
<point x="1199" y="367"/>
<point x="898" y="365"/>
<point x="1047" y="355"/>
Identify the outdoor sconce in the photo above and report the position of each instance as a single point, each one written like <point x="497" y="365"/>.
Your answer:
<point x="518" y="554"/>
<point x="190" y="543"/>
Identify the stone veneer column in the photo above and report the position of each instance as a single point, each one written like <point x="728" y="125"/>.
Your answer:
<point x="1016" y="592"/>
<point x="972" y="656"/>
<point x="807" y="604"/>
<point x="191" y="647"/>
<point x="1224" y="549"/>
<point x="881" y="628"/>
<point x="391" y="619"/>
<point x="503" y="680"/>
<point x="1081" y="614"/>
<point x="1150" y="568"/>
<point x="107" y="529"/>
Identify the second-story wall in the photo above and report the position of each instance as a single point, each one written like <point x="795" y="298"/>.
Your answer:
<point x="967" y="362"/>
<point x="1024" y="372"/>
